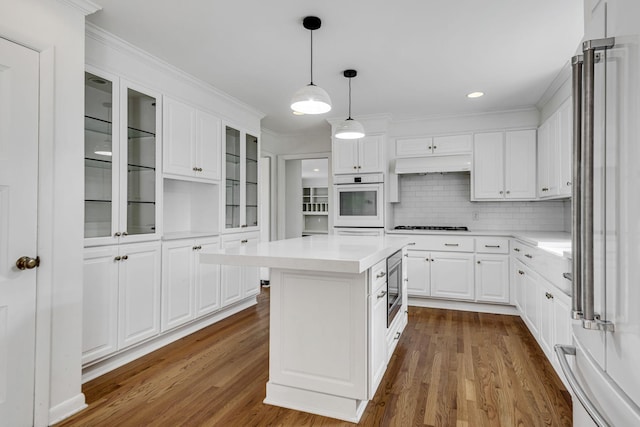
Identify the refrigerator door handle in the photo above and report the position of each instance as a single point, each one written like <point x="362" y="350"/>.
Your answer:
<point x="576" y="189"/>
<point x="562" y="351"/>
<point x="590" y="320"/>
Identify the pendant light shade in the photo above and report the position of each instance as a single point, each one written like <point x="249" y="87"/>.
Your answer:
<point x="311" y="99"/>
<point x="349" y="128"/>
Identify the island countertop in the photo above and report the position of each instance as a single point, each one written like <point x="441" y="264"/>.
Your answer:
<point x="340" y="254"/>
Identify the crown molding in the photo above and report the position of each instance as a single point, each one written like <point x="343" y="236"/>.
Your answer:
<point x="86" y="7"/>
<point x="561" y="78"/>
<point x="102" y="36"/>
<point x="524" y="109"/>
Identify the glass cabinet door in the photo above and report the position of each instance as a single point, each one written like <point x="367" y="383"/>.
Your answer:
<point x="232" y="200"/>
<point x="141" y="163"/>
<point x="251" y="183"/>
<point x="100" y="147"/>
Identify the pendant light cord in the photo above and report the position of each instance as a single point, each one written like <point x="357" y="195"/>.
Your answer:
<point x="349" y="99"/>
<point x="311" y="31"/>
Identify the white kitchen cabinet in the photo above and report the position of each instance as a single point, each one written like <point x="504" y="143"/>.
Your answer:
<point x="138" y="293"/>
<point x="504" y="165"/>
<point x="241" y="179"/>
<point x="238" y="282"/>
<point x="363" y="155"/>
<point x="419" y="273"/>
<point x="192" y="146"/>
<point x="122" y="152"/>
<point x="378" y="321"/>
<point x="433" y="145"/>
<point x="531" y="301"/>
<point x="492" y="278"/>
<point x="121" y="297"/>
<point x="452" y="275"/>
<point x="546" y="304"/>
<point x="99" y="303"/>
<point x="189" y="290"/>
<point x="555" y="154"/>
<point x="517" y="277"/>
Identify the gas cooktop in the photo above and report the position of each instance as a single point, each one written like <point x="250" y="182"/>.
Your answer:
<point x="431" y="227"/>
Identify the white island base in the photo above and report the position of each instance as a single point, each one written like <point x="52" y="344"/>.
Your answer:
<point x="329" y="342"/>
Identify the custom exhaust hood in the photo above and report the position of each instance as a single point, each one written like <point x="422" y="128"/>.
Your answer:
<point x="433" y="164"/>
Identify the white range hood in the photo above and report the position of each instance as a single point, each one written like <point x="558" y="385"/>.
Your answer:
<point x="433" y="164"/>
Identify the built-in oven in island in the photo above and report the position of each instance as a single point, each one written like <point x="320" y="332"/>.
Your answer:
<point x="394" y="285"/>
<point x="359" y="200"/>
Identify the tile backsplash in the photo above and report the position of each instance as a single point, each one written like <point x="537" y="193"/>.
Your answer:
<point x="443" y="199"/>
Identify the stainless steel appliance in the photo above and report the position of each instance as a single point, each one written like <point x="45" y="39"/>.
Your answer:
<point x="394" y="285"/>
<point x="605" y="377"/>
<point x="359" y="200"/>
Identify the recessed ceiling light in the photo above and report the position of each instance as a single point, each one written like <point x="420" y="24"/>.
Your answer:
<point x="316" y="170"/>
<point x="298" y="113"/>
<point x="475" y="94"/>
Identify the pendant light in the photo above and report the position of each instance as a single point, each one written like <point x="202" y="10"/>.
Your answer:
<point x="311" y="99"/>
<point x="349" y="128"/>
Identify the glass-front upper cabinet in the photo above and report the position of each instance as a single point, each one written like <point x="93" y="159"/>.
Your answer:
<point x="241" y="200"/>
<point x="121" y="158"/>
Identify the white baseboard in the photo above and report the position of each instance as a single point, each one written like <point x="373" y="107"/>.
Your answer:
<point x="66" y="409"/>
<point x="464" y="306"/>
<point x="109" y="363"/>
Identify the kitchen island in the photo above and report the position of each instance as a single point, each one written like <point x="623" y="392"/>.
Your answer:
<point x="330" y="339"/>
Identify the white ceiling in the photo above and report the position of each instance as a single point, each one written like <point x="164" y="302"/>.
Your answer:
<point x="415" y="58"/>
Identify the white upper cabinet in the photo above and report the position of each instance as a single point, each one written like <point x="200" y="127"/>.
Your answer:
<point x="438" y="145"/>
<point x="122" y="152"/>
<point x="555" y="154"/>
<point x="241" y="176"/>
<point x="359" y="155"/>
<point x="191" y="142"/>
<point x="504" y="166"/>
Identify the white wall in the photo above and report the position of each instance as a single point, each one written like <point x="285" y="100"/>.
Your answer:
<point x="443" y="199"/>
<point x="296" y="144"/>
<point x="293" y="200"/>
<point x="56" y="29"/>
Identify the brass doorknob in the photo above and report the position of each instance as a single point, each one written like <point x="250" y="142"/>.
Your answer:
<point x="27" y="263"/>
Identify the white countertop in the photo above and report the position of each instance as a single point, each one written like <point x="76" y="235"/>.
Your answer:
<point x="556" y="242"/>
<point x="329" y="253"/>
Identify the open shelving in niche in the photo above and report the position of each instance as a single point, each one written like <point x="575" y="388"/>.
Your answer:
<point x="190" y="209"/>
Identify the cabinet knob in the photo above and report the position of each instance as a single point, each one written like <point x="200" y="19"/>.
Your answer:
<point x="382" y="294"/>
<point x="508" y="192"/>
<point x="568" y="183"/>
<point x="355" y="167"/>
<point x="520" y="272"/>
<point x="548" y="295"/>
<point x="426" y="259"/>
<point x="397" y="337"/>
<point x="118" y="258"/>
<point x="124" y="233"/>
<point x="528" y="256"/>
<point x="545" y="189"/>
<point x="244" y="241"/>
<point x="195" y="248"/>
<point x="359" y="167"/>
<point x="501" y="192"/>
<point x="125" y="257"/>
<point x="516" y="249"/>
<point x="381" y="274"/>
<point x="430" y="147"/>
<point x="478" y="262"/>
<point x="431" y="259"/>
<point x="117" y="234"/>
<point x="199" y="169"/>
<point x="435" y="146"/>
<point x="195" y="169"/>
<point x="27" y="263"/>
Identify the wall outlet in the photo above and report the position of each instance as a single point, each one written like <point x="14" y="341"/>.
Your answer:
<point x="475" y="215"/>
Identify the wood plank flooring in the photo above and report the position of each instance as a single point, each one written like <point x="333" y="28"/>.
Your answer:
<point x="451" y="368"/>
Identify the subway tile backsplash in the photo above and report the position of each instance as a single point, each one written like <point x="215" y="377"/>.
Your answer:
<point x="443" y="199"/>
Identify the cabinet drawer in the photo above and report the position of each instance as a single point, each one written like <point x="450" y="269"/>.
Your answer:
<point x="240" y="239"/>
<point x="443" y="243"/>
<point x="492" y="245"/>
<point x="378" y="276"/>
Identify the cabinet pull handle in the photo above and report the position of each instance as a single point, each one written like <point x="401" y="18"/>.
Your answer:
<point x="382" y="294"/>
<point x="568" y="183"/>
<point x="118" y="258"/>
<point x="125" y="257"/>
<point x="411" y="244"/>
<point x="545" y="189"/>
<point x="568" y="276"/>
<point x="117" y="234"/>
<point x="406" y="255"/>
<point x="516" y="249"/>
<point x="244" y="241"/>
<point x="548" y="295"/>
<point x="243" y="226"/>
<point x="381" y="274"/>
<point x="529" y="256"/>
<point x="491" y="246"/>
<point x="452" y="244"/>
<point x="397" y="337"/>
<point x="520" y="272"/>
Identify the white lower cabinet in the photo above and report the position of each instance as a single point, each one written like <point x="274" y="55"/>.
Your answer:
<point x="492" y="278"/>
<point x="517" y="278"/>
<point x="418" y="273"/>
<point x="452" y="275"/>
<point x="378" y="332"/>
<point x="530" y="288"/>
<point x="189" y="289"/>
<point x="239" y="282"/>
<point x="121" y="299"/>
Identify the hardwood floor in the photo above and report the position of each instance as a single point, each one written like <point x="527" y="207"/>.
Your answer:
<point x="451" y="368"/>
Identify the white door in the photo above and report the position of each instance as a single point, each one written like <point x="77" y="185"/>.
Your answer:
<point x="208" y="135"/>
<point x="177" y="283"/>
<point x="370" y="154"/>
<point x="207" y="278"/>
<point x="179" y="126"/>
<point x="452" y="275"/>
<point x="18" y="229"/>
<point x="488" y="165"/>
<point x="418" y="271"/>
<point x="345" y="156"/>
<point x="492" y="278"/>
<point x="520" y="165"/>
